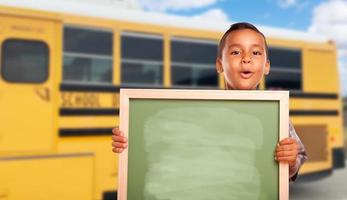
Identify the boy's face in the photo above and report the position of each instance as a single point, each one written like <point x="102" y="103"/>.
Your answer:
<point x="244" y="60"/>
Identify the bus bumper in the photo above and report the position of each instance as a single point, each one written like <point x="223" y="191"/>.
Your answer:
<point x="338" y="158"/>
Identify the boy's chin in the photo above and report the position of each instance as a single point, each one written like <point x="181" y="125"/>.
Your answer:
<point x="242" y="87"/>
<point x="246" y="87"/>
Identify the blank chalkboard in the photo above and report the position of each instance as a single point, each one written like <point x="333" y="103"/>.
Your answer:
<point x="194" y="145"/>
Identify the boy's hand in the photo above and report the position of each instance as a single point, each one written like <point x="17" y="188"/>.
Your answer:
<point x="287" y="151"/>
<point x="119" y="142"/>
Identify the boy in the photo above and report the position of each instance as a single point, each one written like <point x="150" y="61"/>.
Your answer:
<point x="243" y="59"/>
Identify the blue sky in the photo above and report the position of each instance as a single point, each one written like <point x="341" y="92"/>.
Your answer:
<point x="265" y="12"/>
<point x="324" y="17"/>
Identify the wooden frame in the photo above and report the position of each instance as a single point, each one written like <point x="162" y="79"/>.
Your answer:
<point x="127" y="94"/>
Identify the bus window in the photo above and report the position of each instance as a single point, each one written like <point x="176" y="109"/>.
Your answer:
<point x="142" y="59"/>
<point x="193" y="63"/>
<point x="24" y="61"/>
<point x="286" y="69"/>
<point x="87" y="55"/>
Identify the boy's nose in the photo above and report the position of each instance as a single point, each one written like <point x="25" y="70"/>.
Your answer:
<point x="246" y="60"/>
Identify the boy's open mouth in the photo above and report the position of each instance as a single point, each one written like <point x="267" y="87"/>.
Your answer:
<point x="246" y="74"/>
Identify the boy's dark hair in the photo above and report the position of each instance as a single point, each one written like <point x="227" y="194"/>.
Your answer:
<point x="240" y="26"/>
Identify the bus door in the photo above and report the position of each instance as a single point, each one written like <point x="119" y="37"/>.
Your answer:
<point x="26" y="85"/>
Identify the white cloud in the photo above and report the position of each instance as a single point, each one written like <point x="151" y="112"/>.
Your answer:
<point x="286" y="3"/>
<point x="330" y="19"/>
<point x="215" y="14"/>
<point x="164" y="5"/>
<point x="298" y="5"/>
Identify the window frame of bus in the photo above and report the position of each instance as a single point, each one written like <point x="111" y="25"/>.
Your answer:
<point x="285" y="70"/>
<point x="45" y="66"/>
<point x="88" y="56"/>
<point x="142" y="61"/>
<point x="193" y="66"/>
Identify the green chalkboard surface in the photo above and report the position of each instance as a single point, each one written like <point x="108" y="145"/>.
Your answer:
<point x="195" y="149"/>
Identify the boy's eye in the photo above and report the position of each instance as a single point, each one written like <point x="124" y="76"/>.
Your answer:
<point x="257" y="53"/>
<point x="235" y="52"/>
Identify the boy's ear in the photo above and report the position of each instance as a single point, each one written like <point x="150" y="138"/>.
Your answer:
<point x="267" y="67"/>
<point x="219" y="66"/>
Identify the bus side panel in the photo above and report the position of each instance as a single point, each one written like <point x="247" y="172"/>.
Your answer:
<point x="53" y="177"/>
<point x="314" y="132"/>
<point x="26" y="104"/>
<point x="320" y="71"/>
<point x="322" y="132"/>
<point x="106" y="162"/>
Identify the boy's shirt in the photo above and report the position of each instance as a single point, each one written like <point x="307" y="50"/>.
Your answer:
<point x="302" y="156"/>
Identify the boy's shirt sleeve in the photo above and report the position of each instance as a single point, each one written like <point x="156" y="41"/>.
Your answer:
<point x="302" y="156"/>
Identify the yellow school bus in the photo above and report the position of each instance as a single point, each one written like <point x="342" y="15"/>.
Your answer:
<point x="62" y="65"/>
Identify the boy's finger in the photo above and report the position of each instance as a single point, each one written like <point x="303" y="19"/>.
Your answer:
<point x="291" y="147"/>
<point x="286" y="153"/>
<point x="117" y="150"/>
<point x="121" y="139"/>
<point x="116" y="131"/>
<point x="289" y="159"/>
<point x="119" y="145"/>
<point x="287" y="141"/>
<point x="285" y="157"/>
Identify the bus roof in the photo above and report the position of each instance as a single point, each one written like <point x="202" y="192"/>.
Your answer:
<point x="116" y="11"/>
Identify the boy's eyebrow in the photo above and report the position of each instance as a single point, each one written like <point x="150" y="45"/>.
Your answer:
<point x="239" y="45"/>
